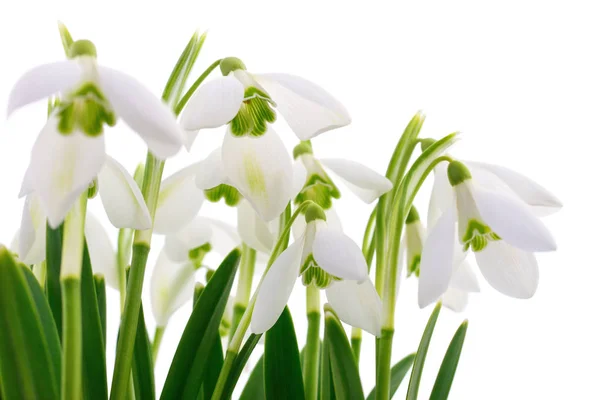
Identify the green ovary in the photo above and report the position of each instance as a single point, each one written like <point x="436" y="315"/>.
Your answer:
<point x="477" y="236"/>
<point x="320" y="190"/>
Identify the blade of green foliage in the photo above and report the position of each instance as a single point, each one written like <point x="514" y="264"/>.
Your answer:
<point x="53" y="260"/>
<point x="94" y="365"/>
<point x="399" y="371"/>
<point x="344" y="371"/>
<point x="283" y="372"/>
<point x="326" y="389"/>
<point x="48" y="326"/>
<point x="255" y="387"/>
<point x="143" y="367"/>
<point x="26" y="367"/>
<point x="100" y="286"/>
<point x="239" y="363"/>
<point x="202" y="329"/>
<point x="415" y="376"/>
<point x="443" y="382"/>
<point x="212" y="374"/>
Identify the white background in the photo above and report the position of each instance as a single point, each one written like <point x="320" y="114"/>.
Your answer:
<point x="519" y="79"/>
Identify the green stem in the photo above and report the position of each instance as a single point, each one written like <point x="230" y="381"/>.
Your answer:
<point x="124" y="242"/>
<point x="72" y="338"/>
<point x="356" y="340"/>
<point x="244" y="288"/>
<point x="141" y="248"/>
<point x="70" y="278"/>
<point x="384" y="361"/>
<point x="310" y="368"/>
<point x="186" y="97"/>
<point x="158" y="335"/>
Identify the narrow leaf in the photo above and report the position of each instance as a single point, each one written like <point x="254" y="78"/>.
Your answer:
<point x="415" y="376"/>
<point x="255" y="387"/>
<point x="202" y="329"/>
<point x="283" y="373"/>
<point x="211" y="376"/>
<point x="94" y="365"/>
<point x="49" y="329"/>
<point x="344" y="371"/>
<point x="53" y="260"/>
<point x="239" y="363"/>
<point x="100" y="285"/>
<point x="443" y="382"/>
<point x="399" y="371"/>
<point x="326" y="389"/>
<point x="26" y="367"/>
<point x="143" y="367"/>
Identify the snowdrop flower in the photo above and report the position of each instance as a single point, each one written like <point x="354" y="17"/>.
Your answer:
<point x="70" y="151"/>
<point x="311" y="182"/>
<point x="330" y="260"/>
<point x="30" y="241"/>
<point x="120" y="195"/>
<point x="255" y="159"/>
<point x="172" y="282"/>
<point x="502" y="232"/>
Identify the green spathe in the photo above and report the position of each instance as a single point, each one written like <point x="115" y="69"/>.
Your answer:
<point x="458" y="173"/>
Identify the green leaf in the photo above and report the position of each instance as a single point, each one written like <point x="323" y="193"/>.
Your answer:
<point x="415" y="376"/>
<point x="143" y="367"/>
<point x="283" y="373"/>
<point x="399" y="371"/>
<point x="94" y="365"/>
<point x="26" y="367"/>
<point x="100" y="285"/>
<point x="255" y="387"/>
<point x="326" y="389"/>
<point x="49" y="329"/>
<point x="344" y="371"/>
<point x="212" y="374"/>
<point x="202" y="329"/>
<point x="443" y="382"/>
<point x="53" y="260"/>
<point x="239" y="363"/>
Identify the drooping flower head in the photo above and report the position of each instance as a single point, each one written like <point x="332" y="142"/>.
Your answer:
<point x="70" y="152"/>
<point x="328" y="259"/>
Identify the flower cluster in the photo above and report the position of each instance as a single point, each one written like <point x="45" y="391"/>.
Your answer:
<point x="475" y="208"/>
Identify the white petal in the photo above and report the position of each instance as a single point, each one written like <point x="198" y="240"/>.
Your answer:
<point x="214" y="104"/>
<point x="463" y="278"/>
<point x="252" y="229"/>
<point x="436" y="259"/>
<point x="527" y="189"/>
<point x="367" y="184"/>
<point x="338" y="255"/>
<point x="307" y="108"/>
<point x="179" y="201"/>
<point x="171" y="286"/>
<point x="276" y="288"/>
<point x="357" y="304"/>
<point x="210" y="172"/>
<point x="455" y="299"/>
<point x="27" y="184"/>
<point x="32" y="234"/>
<point x="62" y="167"/>
<point x="42" y="82"/>
<point x="142" y="111"/>
<point x="224" y="236"/>
<point x="441" y="195"/>
<point x="509" y="270"/>
<point x="261" y="169"/>
<point x="299" y="172"/>
<point x="102" y="253"/>
<point x="122" y="198"/>
<point x="191" y="236"/>
<point x="513" y="221"/>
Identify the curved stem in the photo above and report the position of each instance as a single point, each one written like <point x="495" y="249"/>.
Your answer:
<point x="124" y="241"/>
<point x="186" y="97"/>
<point x="244" y="287"/>
<point x="158" y="335"/>
<point x="310" y="367"/>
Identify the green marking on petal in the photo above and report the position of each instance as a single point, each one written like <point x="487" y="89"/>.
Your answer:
<point x="478" y="235"/>
<point x="85" y="109"/>
<point x="319" y="189"/>
<point x="414" y="266"/>
<point x="197" y="255"/>
<point x="254" y="176"/>
<point x="255" y="114"/>
<point x="314" y="275"/>
<point x="230" y="194"/>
